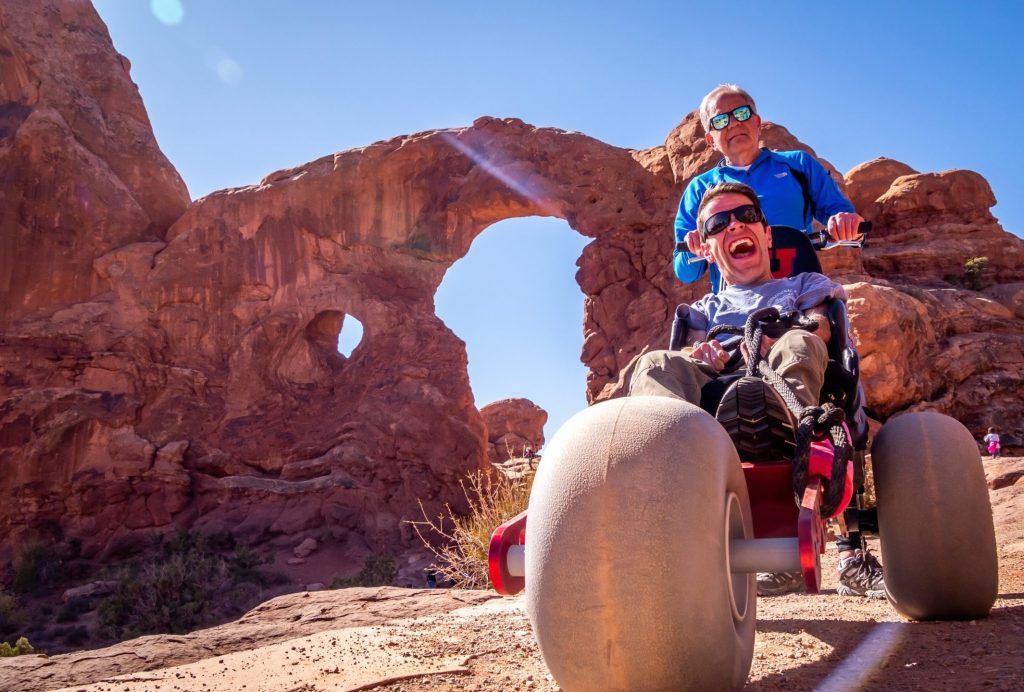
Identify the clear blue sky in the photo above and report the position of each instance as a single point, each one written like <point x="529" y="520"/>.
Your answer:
<point x="236" y="90"/>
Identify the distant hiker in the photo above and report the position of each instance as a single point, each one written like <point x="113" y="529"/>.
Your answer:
<point x="531" y="456"/>
<point x="992" y="442"/>
<point x="793" y="188"/>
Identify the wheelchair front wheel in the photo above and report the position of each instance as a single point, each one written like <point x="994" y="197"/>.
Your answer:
<point x="627" y="576"/>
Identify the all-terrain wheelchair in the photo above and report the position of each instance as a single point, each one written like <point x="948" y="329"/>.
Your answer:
<point x="645" y="530"/>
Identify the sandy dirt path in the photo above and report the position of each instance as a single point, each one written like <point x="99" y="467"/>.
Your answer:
<point x="824" y="642"/>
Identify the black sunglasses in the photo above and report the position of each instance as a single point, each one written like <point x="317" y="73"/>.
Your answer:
<point x="719" y="221"/>
<point x="721" y="121"/>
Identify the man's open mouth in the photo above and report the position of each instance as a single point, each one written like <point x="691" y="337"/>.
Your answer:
<point x="742" y="247"/>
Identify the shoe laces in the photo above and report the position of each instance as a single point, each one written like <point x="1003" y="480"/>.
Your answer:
<point x="867" y="568"/>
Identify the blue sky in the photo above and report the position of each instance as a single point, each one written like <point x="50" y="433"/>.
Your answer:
<point x="238" y="89"/>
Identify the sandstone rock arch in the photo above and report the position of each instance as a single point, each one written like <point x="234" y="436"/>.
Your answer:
<point x="166" y="363"/>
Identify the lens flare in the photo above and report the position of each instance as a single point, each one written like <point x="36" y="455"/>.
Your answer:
<point x="490" y="163"/>
<point x="169" y="12"/>
<point x="857" y="669"/>
<point x="227" y="69"/>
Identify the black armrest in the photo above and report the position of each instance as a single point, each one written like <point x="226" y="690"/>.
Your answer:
<point x="680" y="326"/>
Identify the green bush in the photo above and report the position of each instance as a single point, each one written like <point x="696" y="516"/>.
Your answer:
<point x="37" y="568"/>
<point x="70" y="611"/>
<point x="11" y="617"/>
<point x="186" y="586"/>
<point x="20" y="648"/>
<point x="376" y="571"/>
<point x="75" y="636"/>
<point x="973" y="278"/>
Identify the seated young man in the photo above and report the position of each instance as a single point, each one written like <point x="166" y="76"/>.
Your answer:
<point x="736" y="238"/>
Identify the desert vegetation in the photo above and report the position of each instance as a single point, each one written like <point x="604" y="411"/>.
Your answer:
<point x="193" y="580"/>
<point x="179" y="583"/>
<point x="459" y="542"/>
<point x="974" y="276"/>
<point x="377" y="570"/>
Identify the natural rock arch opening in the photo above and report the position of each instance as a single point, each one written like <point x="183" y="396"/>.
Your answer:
<point x="335" y="334"/>
<point x="349" y="336"/>
<point x="514" y="300"/>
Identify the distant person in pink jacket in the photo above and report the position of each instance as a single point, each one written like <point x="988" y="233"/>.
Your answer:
<point x="992" y="442"/>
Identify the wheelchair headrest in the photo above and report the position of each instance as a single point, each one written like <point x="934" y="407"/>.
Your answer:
<point x="792" y="253"/>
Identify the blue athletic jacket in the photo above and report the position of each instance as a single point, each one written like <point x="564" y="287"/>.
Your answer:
<point x="793" y="189"/>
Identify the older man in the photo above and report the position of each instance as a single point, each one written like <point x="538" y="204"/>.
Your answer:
<point x="736" y="239"/>
<point x="793" y="187"/>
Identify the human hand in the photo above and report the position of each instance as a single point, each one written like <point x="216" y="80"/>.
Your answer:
<point x="693" y="243"/>
<point x="844" y="226"/>
<point x="766" y="345"/>
<point x="711" y="354"/>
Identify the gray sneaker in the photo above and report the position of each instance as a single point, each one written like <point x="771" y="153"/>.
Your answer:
<point x="778" y="583"/>
<point x="861" y="575"/>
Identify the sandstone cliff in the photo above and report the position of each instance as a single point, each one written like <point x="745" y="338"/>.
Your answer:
<point x="166" y="363"/>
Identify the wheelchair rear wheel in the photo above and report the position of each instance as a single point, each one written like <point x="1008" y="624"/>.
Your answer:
<point x="935" y="520"/>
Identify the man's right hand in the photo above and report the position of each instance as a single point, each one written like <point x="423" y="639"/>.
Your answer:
<point x="693" y="243"/>
<point x="711" y="354"/>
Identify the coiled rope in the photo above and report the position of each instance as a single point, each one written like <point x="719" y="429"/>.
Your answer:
<point x="812" y="421"/>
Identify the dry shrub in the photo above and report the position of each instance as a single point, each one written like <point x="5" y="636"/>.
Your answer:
<point x="377" y="570"/>
<point x="20" y="648"/>
<point x="12" y="618"/>
<point x="459" y="543"/>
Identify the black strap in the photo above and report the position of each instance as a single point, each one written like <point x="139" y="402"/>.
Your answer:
<point x="805" y="187"/>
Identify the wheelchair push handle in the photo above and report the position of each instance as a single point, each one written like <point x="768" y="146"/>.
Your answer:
<point x="822" y="241"/>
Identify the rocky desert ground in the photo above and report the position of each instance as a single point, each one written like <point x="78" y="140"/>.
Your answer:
<point x="416" y="640"/>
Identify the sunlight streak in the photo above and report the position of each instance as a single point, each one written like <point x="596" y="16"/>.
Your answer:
<point x="495" y="171"/>
<point x="868" y="658"/>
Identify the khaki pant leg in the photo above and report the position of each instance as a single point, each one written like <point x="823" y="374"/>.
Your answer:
<point x="668" y="373"/>
<point x="800" y="358"/>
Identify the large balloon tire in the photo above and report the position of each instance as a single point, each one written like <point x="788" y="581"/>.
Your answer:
<point x="935" y="519"/>
<point x="628" y="584"/>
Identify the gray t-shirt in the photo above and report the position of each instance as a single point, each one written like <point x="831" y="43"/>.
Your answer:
<point x="733" y="304"/>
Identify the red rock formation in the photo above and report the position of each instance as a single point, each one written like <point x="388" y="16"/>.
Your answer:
<point x="513" y="425"/>
<point x="868" y="181"/>
<point x="168" y="366"/>
<point x="81" y="172"/>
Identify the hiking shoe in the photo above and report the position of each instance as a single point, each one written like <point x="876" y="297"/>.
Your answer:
<point x="778" y="583"/>
<point x="861" y="575"/>
<point x="758" y="421"/>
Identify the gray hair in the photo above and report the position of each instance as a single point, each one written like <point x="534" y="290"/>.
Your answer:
<point x="705" y="104"/>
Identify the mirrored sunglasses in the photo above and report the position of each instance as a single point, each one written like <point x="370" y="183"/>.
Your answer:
<point x="721" y="121"/>
<point x="718" y="222"/>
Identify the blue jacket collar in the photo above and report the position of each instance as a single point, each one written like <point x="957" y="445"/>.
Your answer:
<point x="760" y="157"/>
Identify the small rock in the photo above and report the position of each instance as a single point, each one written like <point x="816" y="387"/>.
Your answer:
<point x="306" y="548"/>
<point x="296" y="561"/>
<point x="96" y="588"/>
